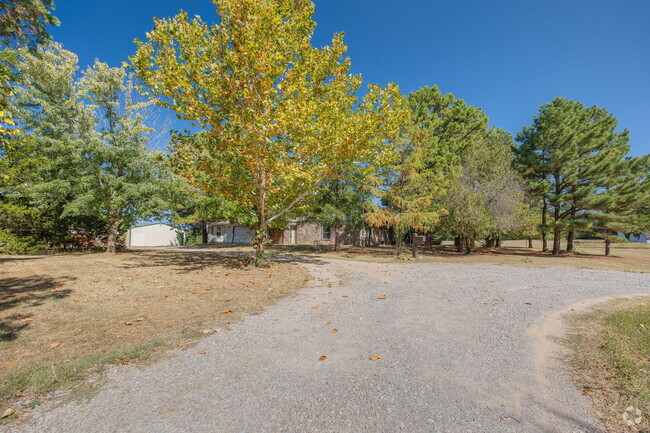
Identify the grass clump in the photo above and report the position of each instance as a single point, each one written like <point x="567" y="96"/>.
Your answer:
<point x="611" y="362"/>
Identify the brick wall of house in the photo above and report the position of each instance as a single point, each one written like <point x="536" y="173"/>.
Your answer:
<point x="310" y="233"/>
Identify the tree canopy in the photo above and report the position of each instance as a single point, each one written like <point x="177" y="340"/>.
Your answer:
<point x="281" y="115"/>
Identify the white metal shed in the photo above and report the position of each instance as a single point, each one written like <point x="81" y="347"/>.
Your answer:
<point x="153" y="235"/>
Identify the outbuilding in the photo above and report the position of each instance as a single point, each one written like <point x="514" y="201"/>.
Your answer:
<point x="154" y="235"/>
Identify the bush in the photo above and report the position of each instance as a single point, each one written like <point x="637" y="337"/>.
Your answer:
<point x="13" y="244"/>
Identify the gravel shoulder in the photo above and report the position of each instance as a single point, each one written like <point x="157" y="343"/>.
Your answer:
<point x="464" y="348"/>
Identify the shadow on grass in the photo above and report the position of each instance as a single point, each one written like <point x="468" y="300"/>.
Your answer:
<point x="26" y="292"/>
<point x="7" y="259"/>
<point x="193" y="260"/>
<point x="184" y="261"/>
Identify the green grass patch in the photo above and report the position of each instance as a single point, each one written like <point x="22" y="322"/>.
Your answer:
<point x="35" y="380"/>
<point x="611" y="362"/>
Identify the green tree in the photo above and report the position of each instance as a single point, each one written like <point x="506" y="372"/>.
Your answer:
<point x="569" y="152"/>
<point x="40" y="167"/>
<point x="124" y="181"/>
<point x="425" y="164"/>
<point x="617" y="206"/>
<point x="283" y="115"/>
<point x="22" y="22"/>
<point x="82" y="161"/>
<point x="340" y="205"/>
<point x="26" y="21"/>
<point x="486" y="200"/>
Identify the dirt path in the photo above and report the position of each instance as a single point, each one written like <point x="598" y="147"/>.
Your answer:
<point x="461" y="346"/>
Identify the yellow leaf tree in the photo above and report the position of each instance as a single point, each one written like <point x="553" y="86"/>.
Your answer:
<point x="279" y="116"/>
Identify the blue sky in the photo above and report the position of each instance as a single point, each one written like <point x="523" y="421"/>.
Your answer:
<point x="505" y="56"/>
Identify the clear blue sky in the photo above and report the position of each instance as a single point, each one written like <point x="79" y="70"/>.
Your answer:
<point x="505" y="56"/>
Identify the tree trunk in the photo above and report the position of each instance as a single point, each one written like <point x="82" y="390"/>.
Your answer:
<point x="571" y="234"/>
<point x="111" y="239"/>
<point x="489" y="242"/>
<point x="457" y="241"/>
<point x="336" y="238"/>
<point x="530" y="243"/>
<point x="544" y="240"/>
<point x="204" y="232"/>
<point x="469" y="245"/>
<point x="498" y="243"/>
<point x="557" y="232"/>
<point x="608" y="247"/>
<point x="459" y="245"/>
<point x="260" y="232"/>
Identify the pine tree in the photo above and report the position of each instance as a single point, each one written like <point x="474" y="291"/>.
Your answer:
<point x="568" y="152"/>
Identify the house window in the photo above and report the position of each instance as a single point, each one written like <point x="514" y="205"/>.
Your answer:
<point x="327" y="233"/>
<point x="216" y="230"/>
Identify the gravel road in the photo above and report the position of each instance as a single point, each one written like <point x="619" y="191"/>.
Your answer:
<point x="461" y="351"/>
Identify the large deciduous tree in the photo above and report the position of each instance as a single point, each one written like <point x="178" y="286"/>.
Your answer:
<point x="81" y="168"/>
<point x="282" y="116"/>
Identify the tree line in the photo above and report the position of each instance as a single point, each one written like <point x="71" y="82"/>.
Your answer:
<point x="279" y="132"/>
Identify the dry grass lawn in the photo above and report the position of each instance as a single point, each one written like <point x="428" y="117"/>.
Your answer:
<point x="611" y="362"/>
<point x="630" y="257"/>
<point x="62" y="315"/>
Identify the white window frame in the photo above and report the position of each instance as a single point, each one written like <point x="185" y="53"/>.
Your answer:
<point x="328" y="230"/>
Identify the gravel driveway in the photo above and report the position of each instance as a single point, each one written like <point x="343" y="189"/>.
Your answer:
<point x="461" y="351"/>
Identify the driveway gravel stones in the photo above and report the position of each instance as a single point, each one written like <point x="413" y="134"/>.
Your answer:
<point x="461" y="348"/>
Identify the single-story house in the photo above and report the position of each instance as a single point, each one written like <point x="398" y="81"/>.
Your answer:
<point x="313" y="233"/>
<point x="642" y="237"/>
<point x="296" y="234"/>
<point x="154" y="235"/>
<point x="226" y="232"/>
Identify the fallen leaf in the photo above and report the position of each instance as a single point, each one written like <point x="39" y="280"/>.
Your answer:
<point x="53" y="345"/>
<point x="315" y="307"/>
<point x="73" y="299"/>
<point x="382" y="297"/>
<point x="16" y="352"/>
<point x="226" y="311"/>
<point x="375" y="357"/>
<point x="139" y="319"/>
<point x="179" y="345"/>
<point x="227" y="273"/>
<point x="194" y="292"/>
<point x="334" y="331"/>
<point x="227" y="300"/>
<point x="7" y="413"/>
<point x="528" y="303"/>
<point x="128" y="323"/>
<point x="322" y="358"/>
<point x="345" y="296"/>
<point x="202" y="352"/>
<point x="328" y="323"/>
<point x="28" y="319"/>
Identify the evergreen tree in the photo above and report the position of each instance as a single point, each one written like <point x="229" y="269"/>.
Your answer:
<point x="425" y="165"/>
<point x="568" y="153"/>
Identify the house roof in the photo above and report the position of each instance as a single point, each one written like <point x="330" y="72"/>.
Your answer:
<point x="149" y="224"/>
